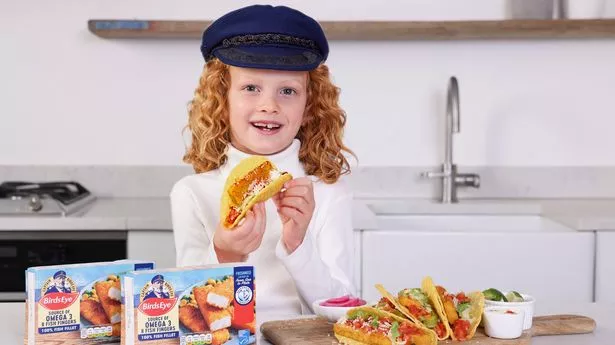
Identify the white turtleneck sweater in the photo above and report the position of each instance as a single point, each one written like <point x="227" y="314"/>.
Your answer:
<point x="321" y="267"/>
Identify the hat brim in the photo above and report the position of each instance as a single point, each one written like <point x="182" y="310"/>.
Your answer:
<point x="268" y="57"/>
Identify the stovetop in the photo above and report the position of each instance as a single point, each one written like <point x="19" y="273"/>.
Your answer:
<point x="60" y="198"/>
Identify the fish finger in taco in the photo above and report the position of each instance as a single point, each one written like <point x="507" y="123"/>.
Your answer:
<point x="462" y="312"/>
<point x="252" y="180"/>
<point x="414" y="304"/>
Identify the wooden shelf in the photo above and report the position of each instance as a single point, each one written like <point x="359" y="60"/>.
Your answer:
<point x="373" y="30"/>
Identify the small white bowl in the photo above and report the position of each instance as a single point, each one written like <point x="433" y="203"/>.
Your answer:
<point x="527" y="306"/>
<point x="331" y="313"/>
<point x="503" y="323"/>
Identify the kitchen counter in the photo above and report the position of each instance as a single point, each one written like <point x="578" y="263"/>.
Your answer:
<point x="582" y="214"/>
<point x="12" y="323"/>
<point x="102" y="214"/>
<point x="154" y="213"/>
<point x="131" y="214"/>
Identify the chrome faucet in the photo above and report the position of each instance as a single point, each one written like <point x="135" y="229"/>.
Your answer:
<point x="450" y="178"/>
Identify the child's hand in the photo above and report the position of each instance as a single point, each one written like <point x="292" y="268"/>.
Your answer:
<point x="295" y="207"/>
<point x="235" y="245"/>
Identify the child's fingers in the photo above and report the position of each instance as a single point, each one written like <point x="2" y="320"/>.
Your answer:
<point x="300" y="190"/>
<point x="278" y="205"/>
<point x="296" y="202"/>
<point x="256" y="238"/>
<point x="258" y="226"/>
<point x="261" y="220"/>
<point x="254" y="244"/>
<point x="303" y="189"/>
<point x="276" y="199"/>
<point x="245" y="225"/>
<point x="291" y="213"/>
<point x="298" y="182"/>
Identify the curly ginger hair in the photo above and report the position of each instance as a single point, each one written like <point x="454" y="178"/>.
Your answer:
<point x="321" y="152"/>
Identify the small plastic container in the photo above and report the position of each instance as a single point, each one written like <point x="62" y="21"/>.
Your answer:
<point x="503" y="323"/>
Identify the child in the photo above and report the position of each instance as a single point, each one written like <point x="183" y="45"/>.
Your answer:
<point x="265" y="91"/>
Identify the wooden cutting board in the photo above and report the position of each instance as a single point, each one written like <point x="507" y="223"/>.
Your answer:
<point x="318" y="331"/>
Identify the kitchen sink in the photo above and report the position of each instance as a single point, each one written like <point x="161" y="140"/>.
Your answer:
<point x="469" y="216"/>
<point x="473" y="206"/>
<point x="469" y="223"/>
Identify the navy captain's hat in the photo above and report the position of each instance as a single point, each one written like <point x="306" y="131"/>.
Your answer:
<point x="59" y="274"/>
<point x="158" y="278"/>
<point x="268" y="37"/>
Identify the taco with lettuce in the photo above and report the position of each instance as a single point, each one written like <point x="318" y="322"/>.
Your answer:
<point x="462" y="312"/>
<point x="252" y="180"/>
<point x="414" y="304"/>
<point x="385" y="304"/>
<point x="367" y="326"/>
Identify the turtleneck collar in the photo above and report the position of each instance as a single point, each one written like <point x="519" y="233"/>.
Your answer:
<point x="286" y="160"/>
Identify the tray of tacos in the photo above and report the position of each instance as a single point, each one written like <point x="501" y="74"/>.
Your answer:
<point x="428" y="314"/>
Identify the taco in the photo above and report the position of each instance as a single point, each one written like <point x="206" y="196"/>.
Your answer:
<point x="254" y="179"/>
<point x="414" y="303"/>
<point x="385" y="304"/>
<point x="462" y="312"/>
<point x="367" y="325"/>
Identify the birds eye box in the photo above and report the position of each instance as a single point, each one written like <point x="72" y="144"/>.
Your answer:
<point x="79" y="303"/>
<point x="189" y="306"/>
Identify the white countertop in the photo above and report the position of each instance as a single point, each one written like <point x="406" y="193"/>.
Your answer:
<point x="12" y="323"/>
<point x="130" y="214"/>
<point x="582" y="214"/>
<point x="154" y="213"/>
<point x="102" y="214"/>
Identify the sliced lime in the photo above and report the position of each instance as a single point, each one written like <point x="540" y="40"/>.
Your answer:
<point x="514" y="296"/>
<point x="494" y="295"/>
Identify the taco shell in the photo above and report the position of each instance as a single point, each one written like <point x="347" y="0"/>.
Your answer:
<point x="396" y="303"/>
<point x="477" y="303"/>
<point x="407" y="313"/>
<point x="253" y="180"/>
<point x="350" y="336"/>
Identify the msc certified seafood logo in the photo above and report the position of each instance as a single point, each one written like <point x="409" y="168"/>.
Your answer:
<point x="243" y="295"/>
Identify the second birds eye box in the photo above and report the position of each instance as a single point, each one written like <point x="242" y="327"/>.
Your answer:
<point x="189" y="306"/>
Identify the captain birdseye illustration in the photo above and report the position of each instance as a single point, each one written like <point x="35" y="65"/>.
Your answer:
<point x="60" y="285"/>
<point x="157" y="289"/>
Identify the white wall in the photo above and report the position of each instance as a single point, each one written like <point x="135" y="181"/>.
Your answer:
<point x="68" y="97"/>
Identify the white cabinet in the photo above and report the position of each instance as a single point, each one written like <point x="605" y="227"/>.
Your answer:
<point x="158" y="246"/>
<point x="605" y="267"/>
<point x="546" y="261"/>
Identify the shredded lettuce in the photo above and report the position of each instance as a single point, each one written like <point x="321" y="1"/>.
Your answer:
<point x="359" y="314"/>
<point x="462" y="306"/>
<point x="395" y="330"/>
<point x="375" y="322"/>
<point x="417" y="294"/>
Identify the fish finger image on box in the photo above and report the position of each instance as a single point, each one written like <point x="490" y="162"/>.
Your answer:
<point x="190" y="306"/>
<point x="76" y="304"/>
